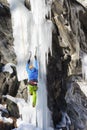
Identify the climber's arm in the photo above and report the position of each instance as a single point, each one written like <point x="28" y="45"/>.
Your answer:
<point x="36" y="63"/>
<point x="27" y="65"/>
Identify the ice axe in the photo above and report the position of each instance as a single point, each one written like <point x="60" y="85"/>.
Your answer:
<point x="35" y="51"/>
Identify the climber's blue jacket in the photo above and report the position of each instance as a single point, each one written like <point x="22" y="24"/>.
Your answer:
<point x="32" y="73"/>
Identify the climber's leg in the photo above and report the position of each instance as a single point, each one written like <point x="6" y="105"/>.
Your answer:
<point x="30" y="89"/>
<point x="34" y="96"/>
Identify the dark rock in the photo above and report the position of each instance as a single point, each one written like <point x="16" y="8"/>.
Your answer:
<point x="11" y="107"/>
<point x="76" y="105"/>
<point x="9" y="83"/>
<point x="7" y="126"/>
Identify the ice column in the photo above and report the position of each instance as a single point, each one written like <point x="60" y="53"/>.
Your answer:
<point x="21" y="19"/>
<point x="41" y="38"/>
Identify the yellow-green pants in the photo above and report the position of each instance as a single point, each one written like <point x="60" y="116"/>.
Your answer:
<point x="32" y="90"/>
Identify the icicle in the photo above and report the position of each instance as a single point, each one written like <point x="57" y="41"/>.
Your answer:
<point x="42" y="38"/>
<point x="84" y="66"/>
<point x="31" y="30"/>
<point x="21" y="20"/>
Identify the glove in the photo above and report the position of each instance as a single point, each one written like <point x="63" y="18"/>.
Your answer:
<point x="28" y="61"/>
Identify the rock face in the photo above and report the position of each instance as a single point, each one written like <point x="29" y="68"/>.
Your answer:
<point x="69" y="40"/>
<point x="68" y="43"/>
<point x="77" y="103"/>
<point x="8" y="83"/>
<point x="6" y="38"/>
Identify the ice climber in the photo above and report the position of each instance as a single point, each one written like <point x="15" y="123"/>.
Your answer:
<point x="32" y="79"/>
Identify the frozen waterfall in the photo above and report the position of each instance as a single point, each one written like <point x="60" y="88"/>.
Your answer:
<point x="32" y="30"/>
<point x="20" y="24"/>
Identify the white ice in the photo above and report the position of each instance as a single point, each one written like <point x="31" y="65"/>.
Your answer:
<point x="32" y="30"/>
<point x="26" y="110"/>
<point x="20" y="23"/>
<point x="7" y="68"/>
<point x="42" y="39"/>
<point x="84" y="66"/>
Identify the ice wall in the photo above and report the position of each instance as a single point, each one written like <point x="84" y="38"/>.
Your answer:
<point x="42" y="39"/>
<point x="20" y="23"/>
<point x="32" y="30"/>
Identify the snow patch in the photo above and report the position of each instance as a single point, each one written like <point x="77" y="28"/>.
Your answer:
<point x="7" y="68"/>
